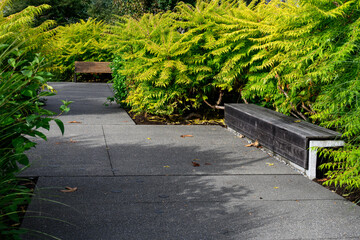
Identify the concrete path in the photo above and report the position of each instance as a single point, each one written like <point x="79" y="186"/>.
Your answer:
<point x="138" y="182"/>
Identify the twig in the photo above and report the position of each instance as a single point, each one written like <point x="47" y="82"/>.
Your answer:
<point x="244" y="99"/>
<point x="221" y="94"/>
<point x="214" y="107"/>
<point x="306" y="108"/>
<point x="292" y="106"/>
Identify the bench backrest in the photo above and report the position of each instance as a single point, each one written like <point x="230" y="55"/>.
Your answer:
<point x="92" y="67"/>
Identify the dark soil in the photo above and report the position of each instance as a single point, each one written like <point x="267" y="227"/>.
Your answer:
<point x="353" y="196"/>
<point x="89" y="77"/>
<point x="188" y="119"/>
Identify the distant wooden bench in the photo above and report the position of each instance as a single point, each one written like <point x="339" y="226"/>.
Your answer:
<point x="287" y="136"/>
<point x="91" y="67"/>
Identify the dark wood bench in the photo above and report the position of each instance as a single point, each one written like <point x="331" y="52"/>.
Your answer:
<point x="289" y="137"/>
<point x="91" y="67"/>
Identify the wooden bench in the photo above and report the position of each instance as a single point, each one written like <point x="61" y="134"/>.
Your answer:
<point x="286" y="136"/>
<point x="91" y="67"/>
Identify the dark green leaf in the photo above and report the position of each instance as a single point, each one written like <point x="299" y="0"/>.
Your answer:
<point x="40" y="134"/>
<point x="60" y="125"/>
<point x="27" y="73"/>
<point x="12" y="62"/>
<point x="23" y="159"/>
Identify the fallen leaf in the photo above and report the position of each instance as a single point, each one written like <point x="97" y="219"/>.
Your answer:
<point x="270" y="164"/>
<point x="297" y="121"/>
<point x="276" y="187"/>
<point x="184" y="136"/>
<point x="195" y="164"/>
<point x="241" y="136"/>
<point x="208" y="163"/>
<point x="322" y="180"/>
<point x="148" y="138"/>
<point x="254" y="144"/>
<point x="166" y="166"/>
<point x="69" y="189"/>
<point x="73" y="141"/>
<point x="74" y="122"/>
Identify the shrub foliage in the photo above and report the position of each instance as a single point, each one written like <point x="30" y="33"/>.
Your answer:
<point x="82" y="41"/>
<point x="297" y="57"/>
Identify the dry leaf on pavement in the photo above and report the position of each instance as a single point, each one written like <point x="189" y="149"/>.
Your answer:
<point x="254" y="144"/>
<point x="69" y="189"/>
<point x="184" y="136"/>
<point x="74" y="122"/>
<point x="195" y="164"/>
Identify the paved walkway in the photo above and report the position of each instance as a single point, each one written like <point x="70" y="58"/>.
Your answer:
<point x="138" y="182"/>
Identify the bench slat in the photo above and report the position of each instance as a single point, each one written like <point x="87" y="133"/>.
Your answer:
<point x="280" y="133"/>
<point x="92" y="67"/>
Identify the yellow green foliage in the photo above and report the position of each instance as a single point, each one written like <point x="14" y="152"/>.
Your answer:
<point x="155" y="74"/>
<point x="83" y="41"/>
<point x="17" y="28"/>
<point x="307" y="64"/>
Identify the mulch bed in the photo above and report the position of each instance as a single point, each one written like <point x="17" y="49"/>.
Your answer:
<point x="351" y="196"/>
<point x="189" y="119"/>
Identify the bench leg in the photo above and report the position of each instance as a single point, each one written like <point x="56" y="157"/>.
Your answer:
<point x="311" y="172"/>
<point x="74" y="77"/>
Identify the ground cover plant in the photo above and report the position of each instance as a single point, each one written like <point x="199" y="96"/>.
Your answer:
<point x="21" y="117"/>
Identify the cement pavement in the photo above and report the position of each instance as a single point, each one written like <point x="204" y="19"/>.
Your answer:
<point x="139" y="182"/>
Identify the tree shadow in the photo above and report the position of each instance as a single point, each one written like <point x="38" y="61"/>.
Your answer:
<point x="145" y="200"/>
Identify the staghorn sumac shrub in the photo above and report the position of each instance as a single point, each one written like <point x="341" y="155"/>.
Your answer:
<point x="83" y="41"/>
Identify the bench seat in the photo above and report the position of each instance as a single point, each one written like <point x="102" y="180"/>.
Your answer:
<point x="92" y="67"/>
<point x="287" y="136"/>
